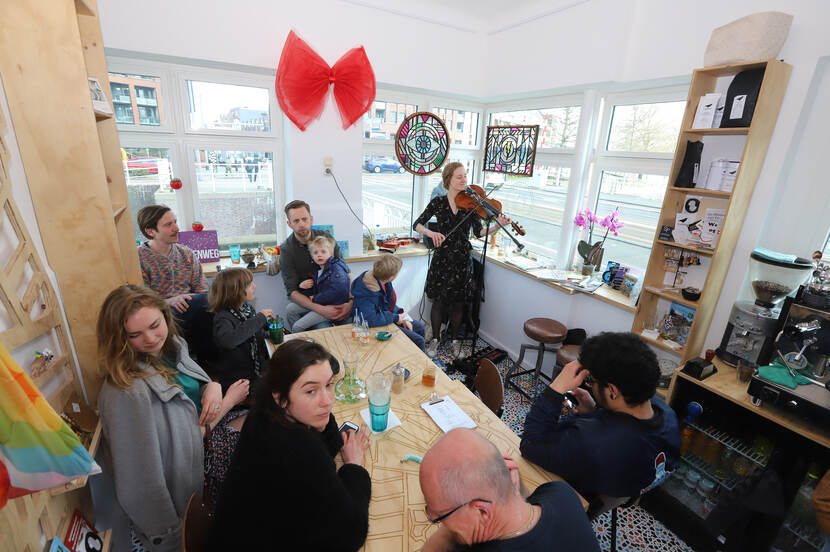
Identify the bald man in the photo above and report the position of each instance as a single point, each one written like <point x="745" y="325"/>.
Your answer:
<point x="473" y="491"/>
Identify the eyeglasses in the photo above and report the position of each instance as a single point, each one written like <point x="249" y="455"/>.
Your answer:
<point x="444" y="516"/>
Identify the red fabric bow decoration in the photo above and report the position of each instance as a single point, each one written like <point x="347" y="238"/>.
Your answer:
<point x="303" y="79"/>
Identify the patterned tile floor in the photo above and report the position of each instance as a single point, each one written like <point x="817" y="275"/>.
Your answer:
<point x="637" y="530"/>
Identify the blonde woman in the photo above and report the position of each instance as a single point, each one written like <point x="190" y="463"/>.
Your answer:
<point x="152" y="403"/>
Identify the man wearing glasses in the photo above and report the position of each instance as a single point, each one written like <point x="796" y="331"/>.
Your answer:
<point x="474" y="492"/>
<point x="622" y="439"/>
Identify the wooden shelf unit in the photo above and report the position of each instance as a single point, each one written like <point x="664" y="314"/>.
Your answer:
<point x="736" y="202"/>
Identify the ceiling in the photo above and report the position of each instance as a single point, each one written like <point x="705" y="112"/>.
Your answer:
<point x="473" y="16"/>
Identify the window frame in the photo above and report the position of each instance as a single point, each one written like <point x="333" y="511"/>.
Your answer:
<point x="177" y="135"/>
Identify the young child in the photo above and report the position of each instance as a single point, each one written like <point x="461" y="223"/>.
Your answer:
<point x="238" y="331"/>
<point x="374" y="298"/>
<point x="329" y="286"/>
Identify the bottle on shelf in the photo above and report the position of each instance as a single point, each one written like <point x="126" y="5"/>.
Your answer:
<point x="689" y="434"/>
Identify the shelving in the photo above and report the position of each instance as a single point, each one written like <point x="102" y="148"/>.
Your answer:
<point x="807" y="533"/>
<point x="717" y="131"/>
<point x="709" y="471"/>
<point x="748" y="146"/>
<point x="731" y="442"/>
<point x="671" y="295"/>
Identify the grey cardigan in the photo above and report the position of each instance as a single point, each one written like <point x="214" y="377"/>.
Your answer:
<point x="151" y="430"/>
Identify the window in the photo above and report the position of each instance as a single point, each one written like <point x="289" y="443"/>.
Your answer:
<point x="148" y="172"/>
<point x="462" y="125"/>
<point x="228" y="107"/>
<point x="217" y="135"/>
<point x="557" y="126"/>
<point x="535" y="203"/>
<point x="136" y="99"/>
<point x="236" y="195"/>
<point x="387" y="195"/>
<point x="639" y="198"/>
<point x="639" y="134"/>
<point x="645" y="127"/>
<point x="376" y="126"/>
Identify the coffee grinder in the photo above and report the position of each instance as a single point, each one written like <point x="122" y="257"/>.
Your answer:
<point x="750" y="333"/>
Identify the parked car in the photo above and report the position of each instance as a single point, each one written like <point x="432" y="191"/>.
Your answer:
<point x="147" y="165"/>
<point x="382" y="164"/>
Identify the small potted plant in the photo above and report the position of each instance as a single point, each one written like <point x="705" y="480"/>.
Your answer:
<point x="592" y="254"/>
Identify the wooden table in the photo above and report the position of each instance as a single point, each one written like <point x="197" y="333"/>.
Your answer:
<point x="396" y="514"/>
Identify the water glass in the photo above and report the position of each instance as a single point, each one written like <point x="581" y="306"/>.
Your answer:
<point x="379" y="387"/>
<point x="234" y="251"/>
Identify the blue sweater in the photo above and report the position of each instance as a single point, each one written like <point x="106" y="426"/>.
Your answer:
<point x="603" y="452"/>
<point x="375" y="304"/>
<point x="331" y="287"/>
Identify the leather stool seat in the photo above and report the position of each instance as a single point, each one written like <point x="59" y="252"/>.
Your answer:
<point x="545" y="330"/>
<point x="567" y="353"/>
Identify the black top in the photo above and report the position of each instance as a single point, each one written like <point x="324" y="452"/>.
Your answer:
<point x="283" y="492"/>
<point x="603" y="452"/>
<point x="563" y="525"/>
<point x="296" y="263"/>
<point x="234" y="359"/>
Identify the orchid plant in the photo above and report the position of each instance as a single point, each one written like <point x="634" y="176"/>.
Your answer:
<point x="592" y="254"/>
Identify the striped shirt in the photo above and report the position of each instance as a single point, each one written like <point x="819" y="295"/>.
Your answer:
<point x="173" y="274"/>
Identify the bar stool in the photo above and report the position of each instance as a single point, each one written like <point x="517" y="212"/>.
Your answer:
<point x="549" y="334"/>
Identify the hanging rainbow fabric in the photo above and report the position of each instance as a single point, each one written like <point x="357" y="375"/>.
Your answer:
<point x="37" y="449"/>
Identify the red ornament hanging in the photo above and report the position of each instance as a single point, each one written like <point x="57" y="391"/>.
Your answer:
<point x="303" y="80"/>
<point x="176" y="183"/>
<point x="197" y="226"/>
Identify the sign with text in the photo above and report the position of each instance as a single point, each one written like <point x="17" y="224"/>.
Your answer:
<point x="205" y="244"/>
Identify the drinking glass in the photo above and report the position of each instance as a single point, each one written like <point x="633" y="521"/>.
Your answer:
<point x="234" y="251"/>
<point x="379" y="387"/>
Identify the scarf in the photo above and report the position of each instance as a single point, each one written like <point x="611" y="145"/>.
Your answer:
<point x="243" y="313"/>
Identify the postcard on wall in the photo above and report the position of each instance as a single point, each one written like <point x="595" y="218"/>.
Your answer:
<point x="99" y="100"/>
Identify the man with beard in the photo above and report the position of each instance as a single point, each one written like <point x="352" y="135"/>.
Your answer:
<point x="297" y="265"/>
<point x="621" y="440"/>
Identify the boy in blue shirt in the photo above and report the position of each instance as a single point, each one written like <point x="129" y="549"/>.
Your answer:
<point x="374" y="298"/>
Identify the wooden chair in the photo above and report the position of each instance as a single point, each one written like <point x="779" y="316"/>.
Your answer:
<point x="195" y="524"/>
<point x="490" y="387"/>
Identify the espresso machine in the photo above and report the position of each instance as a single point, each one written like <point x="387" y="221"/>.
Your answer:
<point x="752" y="328"/>
<point x="802" y="345"/>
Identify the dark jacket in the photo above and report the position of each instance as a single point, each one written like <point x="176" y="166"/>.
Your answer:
<point x="234" y="361"/>
<point x="331" y="287"/>
<point x="296" y="263"/>
<point x="603" y="452"/>
<point x="376" y="305"/>
<point x="283" y="492"/>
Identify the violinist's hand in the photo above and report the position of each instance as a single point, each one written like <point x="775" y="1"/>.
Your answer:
<point x="438" y="238"/>
<point x="504" y="220"/>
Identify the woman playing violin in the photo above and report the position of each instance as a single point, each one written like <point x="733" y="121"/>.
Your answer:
<point x="450" y="270"/>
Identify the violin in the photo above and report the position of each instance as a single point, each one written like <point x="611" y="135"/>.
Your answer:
<point x="466" y="202"/>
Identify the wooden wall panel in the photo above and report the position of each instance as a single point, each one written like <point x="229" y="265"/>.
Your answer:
<point x="51" y="110"/>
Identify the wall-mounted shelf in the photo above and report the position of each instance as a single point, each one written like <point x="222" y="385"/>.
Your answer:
<point x="671" y="296"/>
<point x="79" y="482"/>
<point x="739" y="131"/>
<point x="701" y="250"/>
<point x="699" y="191"/>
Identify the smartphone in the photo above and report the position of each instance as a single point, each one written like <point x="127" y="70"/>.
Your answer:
<point x="348" y="426"/>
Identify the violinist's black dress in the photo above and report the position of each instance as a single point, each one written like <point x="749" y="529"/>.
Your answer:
<point x="449" y="272"/>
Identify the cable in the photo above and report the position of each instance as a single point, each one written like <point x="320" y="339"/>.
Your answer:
<point x="331" y="172"/>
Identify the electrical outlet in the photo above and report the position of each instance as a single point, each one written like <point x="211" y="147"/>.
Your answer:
<point x="327" y="163"/>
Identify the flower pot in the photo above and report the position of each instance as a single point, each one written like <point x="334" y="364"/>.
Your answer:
<point x="596" y="257"/>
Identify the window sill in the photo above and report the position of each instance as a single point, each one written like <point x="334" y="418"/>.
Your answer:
<point x="604" y="293"/>
<point x="414" y="250"/>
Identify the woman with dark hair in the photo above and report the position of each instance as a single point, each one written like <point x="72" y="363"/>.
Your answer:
<point x="449" y="272"/>
<point x="282" y="489"/>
